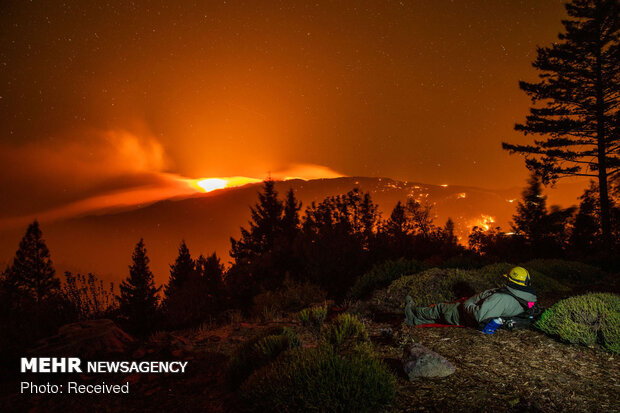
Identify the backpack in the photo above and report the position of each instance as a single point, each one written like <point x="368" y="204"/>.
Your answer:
<point x="524" y="320"/>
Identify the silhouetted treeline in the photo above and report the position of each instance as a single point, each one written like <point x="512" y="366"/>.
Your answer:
<point x="321" y="252"/>
<point x="341" y="237"/>
<point x="538" y="231"/>
<point x="335" y="241"/>
<point x="195" y="289"/>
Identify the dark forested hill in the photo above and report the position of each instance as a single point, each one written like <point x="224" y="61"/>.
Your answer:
<point x="103" y="243"/>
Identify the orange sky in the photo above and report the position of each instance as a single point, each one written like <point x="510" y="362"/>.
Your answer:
<point x="101" y="98"/>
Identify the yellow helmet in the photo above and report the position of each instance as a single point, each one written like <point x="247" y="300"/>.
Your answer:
<point x="519" y="276"/>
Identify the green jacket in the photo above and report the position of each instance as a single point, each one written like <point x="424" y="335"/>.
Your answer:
<point x="491" y="304"/>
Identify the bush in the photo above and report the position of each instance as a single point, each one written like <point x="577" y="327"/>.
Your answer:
<point x="585" y="319"/>
<point x="572" y="272"/>
<point x="428" y="287"/>
<point x="464" y="262"/>
<point x="290" y="298"/>
<point x="449" y="284"/>
<point x="313" y="318"/>
<point x="87" y="296"/>
<point x="382" y="274"/>
<point x="320" y="380"/>
<point x="258" y="352"/>
<point x="346" y="329"/>
<point x="493" y="276"/>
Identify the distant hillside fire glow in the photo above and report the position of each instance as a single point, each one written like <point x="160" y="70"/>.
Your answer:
<point x="484" y="222"/>
<point x="300" y="171"/>
<point x="211" y="184"/>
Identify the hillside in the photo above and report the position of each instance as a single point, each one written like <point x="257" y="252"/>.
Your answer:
<point x="103" y="243"/>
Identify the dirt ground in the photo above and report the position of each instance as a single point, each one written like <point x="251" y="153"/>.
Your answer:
<point x="508" y="371"/>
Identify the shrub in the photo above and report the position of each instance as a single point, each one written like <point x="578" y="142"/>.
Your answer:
<point x="320" y="380"/>
<point x="87" y="296"/>
<point x="290" y="298"/>
<point x="428" y="287"/>
<point x="258" y="352"/>
<point x="313" y="318"/>
<point x="382" y="274"/>
<point x="304" y="317"/>
<point x="573" y="272"/>
<point x="464" y="262"/>
<point x="585" y="319"/>
<point x="492" y="276"/>
<point x="345" y="329"/>
<point x="448" y="284"/>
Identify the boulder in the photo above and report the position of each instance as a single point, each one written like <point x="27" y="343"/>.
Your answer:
<point x="86" y="339"/>
<point x="419" y="361"/>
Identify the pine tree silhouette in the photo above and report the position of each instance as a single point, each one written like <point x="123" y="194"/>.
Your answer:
<point x="579" y="96"/>
<point x="265" y="226"/>
<point x="369" y="217"/>
<point x="544" y="229"/>
<point x="183" y="269"/>
<point x="585" y="237"/>
<point x="211" y="271"/>
<point x="531" y="217"/>
<point x="32" y="274"/>
<point x="395" y="233"/>
<point x="138" y="299"/>
<point x="261" y="255"/>
<point x="397" y="224"/>
<point x="291" y="221"/>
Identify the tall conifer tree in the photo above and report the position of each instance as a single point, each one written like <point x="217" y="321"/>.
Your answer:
<point x="531" y="217"/>
<point x="32" y="273"/>
<point x="183" y="269"/>
<point x="579" y="95"/>
<point x="265" y="226"/>
<point x="290" y="220"/>
<point x="138" y="295"/>
<point x="211" y="271"/>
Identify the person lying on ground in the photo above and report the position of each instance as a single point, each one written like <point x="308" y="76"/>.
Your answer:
<point x="477" y="311"/>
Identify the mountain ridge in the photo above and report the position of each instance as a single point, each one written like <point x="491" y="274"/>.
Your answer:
<point x="102" y="242"/>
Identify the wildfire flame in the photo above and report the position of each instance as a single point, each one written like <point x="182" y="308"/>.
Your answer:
<point x="211" y="184"/>
<point x="485" y="222"/>
<point x="297" y="171"/>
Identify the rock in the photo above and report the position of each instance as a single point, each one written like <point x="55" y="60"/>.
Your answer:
<point x="85" y="339"/>
<point x="419" y="361"/>
<point x="386" y="333"/>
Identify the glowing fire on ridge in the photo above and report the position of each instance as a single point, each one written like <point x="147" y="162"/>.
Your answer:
<point x="211" y="184"/>
<point x="486" y="222"/>
<point x="296" y="171"/>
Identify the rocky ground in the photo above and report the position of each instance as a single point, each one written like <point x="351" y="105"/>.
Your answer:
<point x="508" y="371"/>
